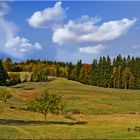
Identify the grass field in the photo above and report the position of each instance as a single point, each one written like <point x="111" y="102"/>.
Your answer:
<point x="90" y="112"/>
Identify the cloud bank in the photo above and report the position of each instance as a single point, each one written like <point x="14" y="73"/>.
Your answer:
<point x="82" y="31"/>
<point x="86" y="31"/>
<point x="92" y="49"/>
<point x="49" y="17"/>
<point x="4" y="9"/>
<point x="10" y="42"/>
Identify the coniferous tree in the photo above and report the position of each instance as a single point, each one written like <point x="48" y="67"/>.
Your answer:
<point x="119" y="77"/>
<point x="108" y="71"/>
<point x="3" y="74"/>
<point x="57" y="70"/>
<point x="70" y="67"/>
<point x="118" y="61"/>
<point x="100" y="73"/>
<point x="8" y="64"/>
<point x="103" y="73"/>
<point x="94" y="72"/>
<point x="73" y="74"/>
<point x="78" y="68"/>
<point x="114" y="77"/>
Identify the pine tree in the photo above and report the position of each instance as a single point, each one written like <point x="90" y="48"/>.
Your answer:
<point x="3" y="74"/>
<point x="78" y="68"/>
<point x="118" y="61"/>
<point x="70" y="67"/>
<point x="57" y="70"/>
<point x="73" y="74"/>
<point x="108" y="71"/>
<point x="106" y="67"/>
<point x="100" y="72"/>
<point x="114" y="77"/>
<point x="7" y="64"/>
<point x="93" y="75"/>
<point x="119" y="77"/>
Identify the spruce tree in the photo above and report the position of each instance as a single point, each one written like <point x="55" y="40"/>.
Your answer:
<point x="100" y="72"/>
<point x="93" y="75"/>
<point x="78" y="68"/>
<point x="3" y="74"/>
<point x="108" y="72"/>
<point x="114" y="77"/>
<point x="118" y="61"/>
<point x="57" y="70"/>
<point x="70" y="67"/>
<point x="8" y="64"/>
<point x="119" y="77"/>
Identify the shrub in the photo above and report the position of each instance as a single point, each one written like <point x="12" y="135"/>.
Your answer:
<point x="46" y="103"/>
<point x="39" y="75"/>
<point x="69" y="117"/>
<point x="5" y="95"/>
<point x="52" y="71"/>
<point x="14" y="78"/>
<point x="76" y="111"/>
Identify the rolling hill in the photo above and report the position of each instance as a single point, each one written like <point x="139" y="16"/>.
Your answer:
<point x="90" y="112"/>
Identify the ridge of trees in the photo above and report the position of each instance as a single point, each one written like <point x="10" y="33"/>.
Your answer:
<point x="121" y="72"/>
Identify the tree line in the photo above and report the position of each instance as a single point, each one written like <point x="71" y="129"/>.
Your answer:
<point x="120" y="72"/>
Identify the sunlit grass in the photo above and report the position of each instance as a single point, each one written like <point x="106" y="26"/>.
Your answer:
<point x="105" y="113"/>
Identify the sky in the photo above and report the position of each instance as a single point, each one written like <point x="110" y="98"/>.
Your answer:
<point x="69" y="30"/>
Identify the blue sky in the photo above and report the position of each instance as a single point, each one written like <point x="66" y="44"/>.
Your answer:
<point x="68" y="31"/>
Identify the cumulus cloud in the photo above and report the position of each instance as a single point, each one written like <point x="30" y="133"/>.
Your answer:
<point x="21" y="46"/>
<point x="49" y="17"/>
<point x="92" y="49"/>
<point x="4" y="9"/>
<point x="86" y="30"/>
<point x="11" y="43"/>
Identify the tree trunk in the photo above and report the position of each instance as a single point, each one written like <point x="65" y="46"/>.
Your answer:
<point x="45" y="119"/>
<point x="125" y="86"/>
<point x="118" y="84"/>
<point x="114" y="84"/>
<point x="5" y="101"/>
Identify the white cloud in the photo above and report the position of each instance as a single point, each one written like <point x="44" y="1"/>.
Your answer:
<point x="85" y="30"/>
<point x="48" y="17"/>
<point x="92" y="49"/>
<point x="4" y="9"/>
<point x="21" y="45"/>
<point x="11" y="43"/>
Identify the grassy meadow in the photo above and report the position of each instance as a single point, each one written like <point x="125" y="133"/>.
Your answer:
<point x="90" y="112"/>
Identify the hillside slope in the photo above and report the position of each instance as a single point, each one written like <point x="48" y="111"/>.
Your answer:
<point x="105" y="113"/>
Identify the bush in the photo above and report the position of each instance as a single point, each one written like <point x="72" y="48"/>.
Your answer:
<point x="73" y="111"/>
<point x="14" y="78"/>
<point x="47" y="103"/>
<point x="69" y="117"/>
<point x="39" y="75"/>
<point x="5" y="95"/>
<point x="76" y="111"/>
<point x="52" y="71"/>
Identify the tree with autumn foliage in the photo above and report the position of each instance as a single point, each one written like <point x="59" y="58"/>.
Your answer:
<point x="85" y="74"/>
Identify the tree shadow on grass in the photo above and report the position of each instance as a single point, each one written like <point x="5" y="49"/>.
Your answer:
<point x="50" y="79"/>
<point x="13" y="122"/>
<point x="18" y="87"/>
<point x="23" y="87"/>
